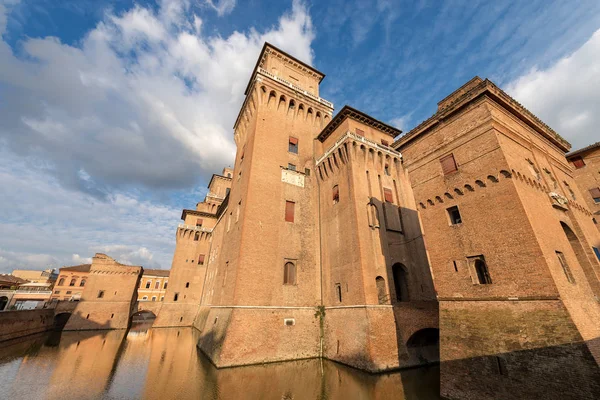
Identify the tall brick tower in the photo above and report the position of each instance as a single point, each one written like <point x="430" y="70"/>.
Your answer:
<point x="194" y="237"/>
<point x="263" y="282"/>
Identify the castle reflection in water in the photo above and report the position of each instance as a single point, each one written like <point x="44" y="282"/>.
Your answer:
<point x="147" y="363"/>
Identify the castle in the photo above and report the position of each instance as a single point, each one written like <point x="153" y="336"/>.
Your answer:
<point x="464" y="241"/>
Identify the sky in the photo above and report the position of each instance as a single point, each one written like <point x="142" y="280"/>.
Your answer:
<point x="114" y="114"/>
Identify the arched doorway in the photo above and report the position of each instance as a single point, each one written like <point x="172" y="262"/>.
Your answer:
<point x="143" y="316"/>
<point x="3" y="302"/>
<point x="60" y="320"/>
<point x="582" y="258"/>
<point x="400" y="282"/>
<point x="424" y="346"/>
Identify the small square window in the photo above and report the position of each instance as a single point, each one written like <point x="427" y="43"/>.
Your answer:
<point x="100" y="294"/>
<point x="291" y="167"/>
<point x="448" y="164"/>
<point x="289" y="211"/>
<point x="578" y="162"/>
<point x="200" y="262"/>
<point x="387" y="194"/>
<point x="293" y="145"/>
<point x="454" y="215"/>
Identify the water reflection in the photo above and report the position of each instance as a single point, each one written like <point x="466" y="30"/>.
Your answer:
<point x="165" y="364"/>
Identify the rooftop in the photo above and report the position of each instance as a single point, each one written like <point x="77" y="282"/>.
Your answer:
<point x="472" y="90"/>
<point x="157" y="272"/>
<point x="584" y="150"/>
<point x="268" y="48"/>
<point x="78" y="268"/>
<point x="7" y="278"/>
<point x="352" y="113"/>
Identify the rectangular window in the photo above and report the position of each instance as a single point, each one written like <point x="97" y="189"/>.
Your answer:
<point x="336" y="194"/>
<point x="200" y="262"/>
<point x="69" y="292"/>
<point x="360" y="132"/>
<point x="157" y="285"/>
<point x="595" y="192"/>
<point x="289" y="211"/>
<point x="454" y="215"/>
<point x="307" y="171"/>
<point x="57" y="292"/>
<point x="578" y="162"/>
<point x="196" y="236"/>
<point x="199" y="222"/>
<point x="100" y="294"/>
<point x="291" y="167"/>
<point x="175" y="296"/>
<point x="148" y="284"/>
<point x="448" y="164"/>
<point x="565" y="267"/>
<point x="386" y="169"/>
<point x="387" y="194"/>
<point x="293" y="145"/>
<point x="385" y="142"/>
<point x="338" y="292"/>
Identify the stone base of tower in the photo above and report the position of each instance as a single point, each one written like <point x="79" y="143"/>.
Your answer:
<point x="494" y="349"/>
<point x="243" y="336"/>
<point x="175" y="315"/>
<point x="382" y="338"/>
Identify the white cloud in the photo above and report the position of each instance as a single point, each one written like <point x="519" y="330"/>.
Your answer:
<point x="144" y="103"/>
<point x="144" y="99"/>
<point x="401" y="122"/>
<point x="566" y="95"/>
<point x="222" y="7"/>
<point x="45" y="225"/>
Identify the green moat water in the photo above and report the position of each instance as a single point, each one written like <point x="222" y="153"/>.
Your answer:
<point x="165" y="364"/>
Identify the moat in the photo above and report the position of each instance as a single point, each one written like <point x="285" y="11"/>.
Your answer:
<point x="146" y="363"/>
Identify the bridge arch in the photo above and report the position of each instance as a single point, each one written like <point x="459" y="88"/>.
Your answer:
<point x="423" y="346"/>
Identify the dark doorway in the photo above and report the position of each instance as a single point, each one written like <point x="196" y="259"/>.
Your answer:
<point x="400" y="282"/>
<point x="424" y="346"/>
<point x="3" y="302"/>
<point x="60" y="320"/>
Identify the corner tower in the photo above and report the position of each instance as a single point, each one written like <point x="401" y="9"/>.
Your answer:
<point x="263" y="280"/>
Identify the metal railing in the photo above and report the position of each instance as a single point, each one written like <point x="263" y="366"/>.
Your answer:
<point x="195" y="228"/>
<point x="296" y="88"/>
<point x="358" y="138"/>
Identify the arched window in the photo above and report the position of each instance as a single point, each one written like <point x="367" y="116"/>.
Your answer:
<point x="336" y="194"/>
<point x="400" y="282"/>
<point x="72" y="283"/>
<point x="289" y="273"/>
<point x="157" y="285"/>
<point x="381" y="291"/>
<point x="373" y="215"/>
<point x="148" y="284"/>
<point x="82" y="283"/>
<point x="61" y="282"/>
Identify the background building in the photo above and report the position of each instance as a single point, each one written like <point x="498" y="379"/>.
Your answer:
<point x="71" y="282"/>
<point x="46" y="276"/>
<point x="153" y="285"/>
<point x="586" y="171"/>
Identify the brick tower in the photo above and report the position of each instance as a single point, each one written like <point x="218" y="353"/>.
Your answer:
<point x="263" y="278"/>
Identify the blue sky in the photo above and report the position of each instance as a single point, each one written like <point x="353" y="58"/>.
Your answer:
<point x="114" y="114"/>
